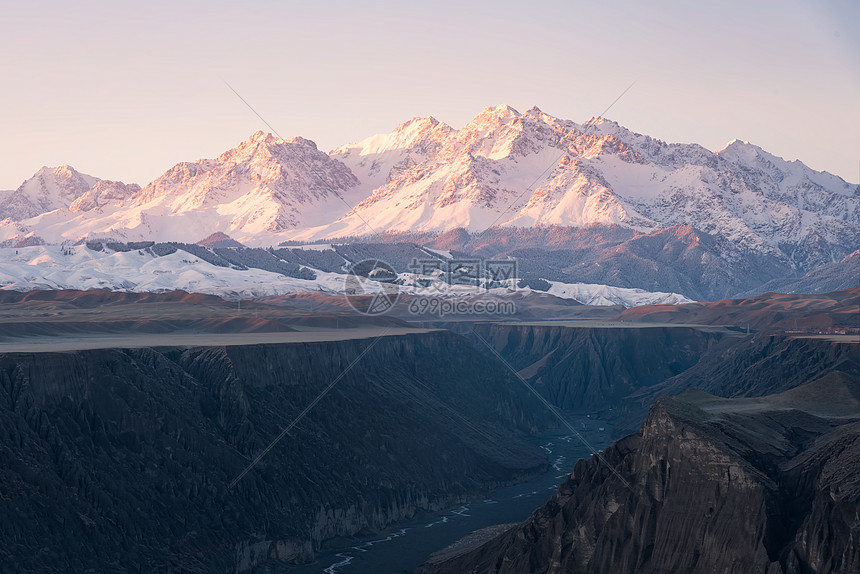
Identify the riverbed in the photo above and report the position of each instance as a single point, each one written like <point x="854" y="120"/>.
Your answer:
<point x="407" y="545"/>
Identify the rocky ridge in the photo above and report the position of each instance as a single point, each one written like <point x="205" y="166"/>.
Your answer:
<point x="707" y="484"/>
<point x="506" y="168"/>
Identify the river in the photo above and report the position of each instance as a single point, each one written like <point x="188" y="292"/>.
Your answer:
<point x="407" y="545"/>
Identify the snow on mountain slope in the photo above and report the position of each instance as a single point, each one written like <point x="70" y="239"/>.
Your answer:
<point x="377" y="159"/>
<point x="477" y="178"/>
<point x="77" y="267"/>
<point x="741" y="192"/>
<point x="502" y="169"/>
<point x="531" y="169"/>
<point x="590" y="294"/>
<point x="15" y="233"/>
<point x="49" y="189"/>
<point x="103" y="194"/>
<point x="263" y="186"/>
<point x="56" y="267"/>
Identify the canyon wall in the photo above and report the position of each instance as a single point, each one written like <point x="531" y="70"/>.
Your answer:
<point x="707" y="485"/>
<point x="122" y="459"/>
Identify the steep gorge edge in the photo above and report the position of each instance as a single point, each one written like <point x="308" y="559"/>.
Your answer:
<point x="589" y="369"/>
<point x="121" y="459"/>
<point x="772" y="487"/>
<point x="620" y="372"/>
<point x="707" y="485"/>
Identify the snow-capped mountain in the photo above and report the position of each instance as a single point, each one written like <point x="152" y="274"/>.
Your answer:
<point x="473" y="178"/>
<point x="532" y="170"/>
<point x="262" y="187"/>
<point x="378" y="159"/>
<point x="507" y="170"/>
<point x="49" y="189"/>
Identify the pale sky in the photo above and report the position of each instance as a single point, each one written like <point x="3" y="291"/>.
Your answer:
<point x="123" y="90"/>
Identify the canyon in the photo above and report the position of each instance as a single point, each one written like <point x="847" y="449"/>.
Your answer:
<point x="131" y="424"/>
<point x="123" y="458"/>
<point x="706" y="484"/>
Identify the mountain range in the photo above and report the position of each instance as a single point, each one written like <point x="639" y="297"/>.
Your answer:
<point x="658" y="216"/>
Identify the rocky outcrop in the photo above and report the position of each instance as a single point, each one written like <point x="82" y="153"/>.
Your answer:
<point x="708" y="485"/>
<point x="103" y="194"/>
<point x="121" y="460"/>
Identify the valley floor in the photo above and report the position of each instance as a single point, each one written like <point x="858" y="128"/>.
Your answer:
<point x="406" y="545"/>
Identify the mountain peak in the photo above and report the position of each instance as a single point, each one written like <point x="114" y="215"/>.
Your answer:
<point x="536" y="114"/>
<point x="501" y="111"/>
<point x="301" y="141"/>
<point x="494" y="116"/>
<point x="488" y="121"/>
<point x="417" y="123"/>
<point x="740" y="150"/>
<point x="50" y="188"/>
<point x="504" y="109"/>
<point x="62" y="170"/>
<point x="601" y="121"/>
<point x="737" y="144"/>
<point x="260" y="137"/>
<point x="421" y="135"/>
<point x="266" y="184"/>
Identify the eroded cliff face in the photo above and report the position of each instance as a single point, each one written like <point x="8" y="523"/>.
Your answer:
<point x="121" y="459"/>
<point x="750" y="367"/>
<point x="586" y="369"/>
<point x="747" y="485"/>
<point x="620" y="372"/>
